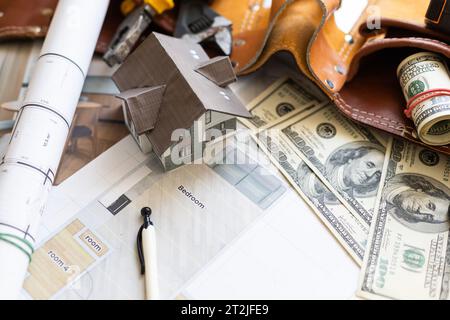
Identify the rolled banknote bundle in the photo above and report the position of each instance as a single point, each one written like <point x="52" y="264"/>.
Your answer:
<point x="425" y="81"/>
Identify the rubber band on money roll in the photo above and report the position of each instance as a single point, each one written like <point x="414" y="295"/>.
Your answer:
<point x="423" y="96"/>
<point x="18" y="243"/>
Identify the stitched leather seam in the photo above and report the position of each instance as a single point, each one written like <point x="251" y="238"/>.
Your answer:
<point x="346" y="106"/>
<point x="345" y="51"/>
<point x="347" y="48"/>
<point x="385" y="124"/>
<point x="27" y="31"/>
<point x="353" y="112"/>
<point x="19" y="28"/>
<point x="427" y="40"/>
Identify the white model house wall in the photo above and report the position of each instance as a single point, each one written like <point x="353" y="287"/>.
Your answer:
<point x="142" y="140"/>
<point x="200" y="133"/>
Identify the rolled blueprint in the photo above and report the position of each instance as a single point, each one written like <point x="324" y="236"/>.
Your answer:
<point x="28" y="168"/>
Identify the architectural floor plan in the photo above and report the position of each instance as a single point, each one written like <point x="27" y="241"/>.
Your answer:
<point x="63" y="258"/>
<point x="88" y="238"/>
<point x="220" y="244"/>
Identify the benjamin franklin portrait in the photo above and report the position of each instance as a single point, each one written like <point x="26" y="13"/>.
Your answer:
<point x="313" y="187"/>
<point x="419" y="202"/>
<point x="356" y="168"/>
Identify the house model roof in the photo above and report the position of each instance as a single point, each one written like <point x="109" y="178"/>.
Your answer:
<point x="190" y="81"/>
<point x="143" y="106"/>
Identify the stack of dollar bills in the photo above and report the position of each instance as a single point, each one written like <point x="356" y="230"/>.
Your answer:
<point x="385" y="200"/>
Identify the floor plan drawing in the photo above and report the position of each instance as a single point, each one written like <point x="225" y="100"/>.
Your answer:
<point x="209" y="244"/>
<point x="195" y="232"/>
<point x="62" y="259"/>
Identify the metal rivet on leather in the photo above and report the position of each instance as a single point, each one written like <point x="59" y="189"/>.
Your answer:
<point x="330" y="83"/>
<point x="255" y="7"/>
<point x="47" y="12"/>
<point x="349" y="38"/>
<point x="239" y="42"/>
<point x="339" y="69"/>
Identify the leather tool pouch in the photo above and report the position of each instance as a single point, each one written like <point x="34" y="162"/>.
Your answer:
<point x="356" y="70"/>
<point x="21" y="19"/>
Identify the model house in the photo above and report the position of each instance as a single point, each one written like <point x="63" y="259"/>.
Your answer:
<point x="168" y="84"/>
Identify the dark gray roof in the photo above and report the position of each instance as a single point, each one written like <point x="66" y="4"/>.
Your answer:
<point x="218" y="70"/>
<point x="163" y="60"/>
<point x="143" y="105"/>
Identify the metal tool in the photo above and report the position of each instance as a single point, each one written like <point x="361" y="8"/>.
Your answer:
<point x="132" y="28"/>
<point x="198" y="23"/>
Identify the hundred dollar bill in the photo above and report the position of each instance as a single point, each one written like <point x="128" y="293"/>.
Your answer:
<point x="425" y="81"/>
<point x="348" y="230"/>
<point x="281" y="100"/>
<point x="408" y="256"/>
<point x="348" y="158"/>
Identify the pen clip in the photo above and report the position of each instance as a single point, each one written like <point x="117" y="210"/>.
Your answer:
<point x="140" y="249"/>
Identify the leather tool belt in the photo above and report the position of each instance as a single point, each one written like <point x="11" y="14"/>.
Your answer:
<point x="356" y="70"/>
